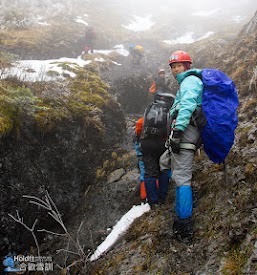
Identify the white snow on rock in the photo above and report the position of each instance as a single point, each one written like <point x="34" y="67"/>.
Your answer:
<point x="185" y="39"/>
<point x="43" y="24"/>
<point x="81" y="21"/>
<point x="140" y="24"/>
<point x="53" y="69"/>
<point x="188" y="38"/>
<point x="120" y="228"/>
<point x="43" y="70"/>
<point x="121" y="50"/>
<point x="208" y="13"/>
<point x="116" y="63"/>
<point x="208" y="34"/>
<point x="41" y="21"/>
<point x="118" y="49"/>
<point x="99" y="59"/>
<point x="238" y="19"/>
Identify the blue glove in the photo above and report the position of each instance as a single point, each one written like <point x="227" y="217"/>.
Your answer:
<point x="175" y="140"/>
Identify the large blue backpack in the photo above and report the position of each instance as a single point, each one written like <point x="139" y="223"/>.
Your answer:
<point x="219" y="104"/>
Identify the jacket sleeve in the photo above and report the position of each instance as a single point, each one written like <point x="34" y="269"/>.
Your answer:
<point x="139" y="126"/>
<point x="191" y="89"/>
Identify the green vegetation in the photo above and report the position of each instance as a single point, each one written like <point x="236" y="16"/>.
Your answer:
<point x="83" y="97"/>
<point x="6" y="59"/>
<point x="16" y="105"/>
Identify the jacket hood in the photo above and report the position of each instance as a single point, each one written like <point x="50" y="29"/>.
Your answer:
<point x="180" y="77"/>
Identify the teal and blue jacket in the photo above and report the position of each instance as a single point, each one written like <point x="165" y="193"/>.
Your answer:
<point x="188" y="98"/>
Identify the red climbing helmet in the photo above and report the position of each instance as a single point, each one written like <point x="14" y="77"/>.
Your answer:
<point x="180" y="56"/>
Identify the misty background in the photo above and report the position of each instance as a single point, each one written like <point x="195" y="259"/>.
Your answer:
<point x="167" y="20"/>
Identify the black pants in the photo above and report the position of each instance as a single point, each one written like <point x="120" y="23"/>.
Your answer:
<point x="152" y="149"/>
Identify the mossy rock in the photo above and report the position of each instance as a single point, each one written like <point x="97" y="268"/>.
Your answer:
<point x="86" y="95"/>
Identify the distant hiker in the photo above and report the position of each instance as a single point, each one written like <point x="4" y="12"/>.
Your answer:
<point x="138" y="149"/>
<point x="162" y="86"/>
<point x="136" y="52"/>
<point x="184" y="140"/>
<point x="90" y="38"/>
<point x="153" y="140"/>
<point x="159" y="84"/>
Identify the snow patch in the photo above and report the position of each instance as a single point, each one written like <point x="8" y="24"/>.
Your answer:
<point x="118" y="49"/>
<point x="207" y="13"/>
<point x="238" y="19"/>
<point x="43" y="70"/>
<point x="185" y="39"/>
<point x="81" y="21"/>
<point x="99" y="59"/>
<point x="116" y="63"/>
<point x="208" y="34"/>
<point x="43" y="23"/>
<point x="140" y="24"/>
<point x="40" y="20"/>
<point x="120" y="228"/>
<point x="50" y="70"/>
<point x="188" y="38"/>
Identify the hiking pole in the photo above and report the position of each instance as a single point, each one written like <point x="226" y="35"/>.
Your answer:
<point x="225" y="171"/>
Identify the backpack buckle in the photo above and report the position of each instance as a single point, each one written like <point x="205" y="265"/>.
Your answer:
<point x="153" y="131"/>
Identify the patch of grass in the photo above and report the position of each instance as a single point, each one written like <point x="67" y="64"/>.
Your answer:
<point x="249" y="109"/>
<point x="27" y="38"/>
<point x="52" y="73"/>
<point x="243" y="136"/>
<point x="234" y="262"/>
<point x="17" y="104"/>
<point x="6" y="59"/>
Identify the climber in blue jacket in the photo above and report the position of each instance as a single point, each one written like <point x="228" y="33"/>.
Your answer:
<point x="184" y="140"/>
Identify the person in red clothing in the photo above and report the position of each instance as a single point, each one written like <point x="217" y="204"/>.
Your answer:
<point x="90" y="38"/>
<point x="138" y="149"/>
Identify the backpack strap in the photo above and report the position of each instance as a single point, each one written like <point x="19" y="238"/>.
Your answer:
<point x="188" y="146"/>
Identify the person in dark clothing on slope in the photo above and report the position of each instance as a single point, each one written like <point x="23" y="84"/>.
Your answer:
<point x="161" y="85"/>
<point x="153" y="140"/>
<point x="90" y="38"/>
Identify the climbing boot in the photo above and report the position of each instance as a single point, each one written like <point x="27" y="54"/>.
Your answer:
<point x="183" y="230"/>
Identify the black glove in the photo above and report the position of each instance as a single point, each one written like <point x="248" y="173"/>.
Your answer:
<point x="175" y="140"/>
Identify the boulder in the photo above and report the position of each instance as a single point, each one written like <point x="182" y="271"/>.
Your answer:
<point x="115" y="175"/>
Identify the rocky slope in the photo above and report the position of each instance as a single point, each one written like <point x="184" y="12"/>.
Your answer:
<point x="225" y="211"/>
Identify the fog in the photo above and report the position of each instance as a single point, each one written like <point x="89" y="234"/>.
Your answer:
<point x="168" y="19"/>
<point x="125" y="7"/>
<point x="179" y="7"/>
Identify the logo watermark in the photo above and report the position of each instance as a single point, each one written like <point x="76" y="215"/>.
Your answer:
<point x="22" y="263"/>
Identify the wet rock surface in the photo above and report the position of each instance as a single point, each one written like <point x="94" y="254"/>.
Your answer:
<point x="63" y="161"/>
